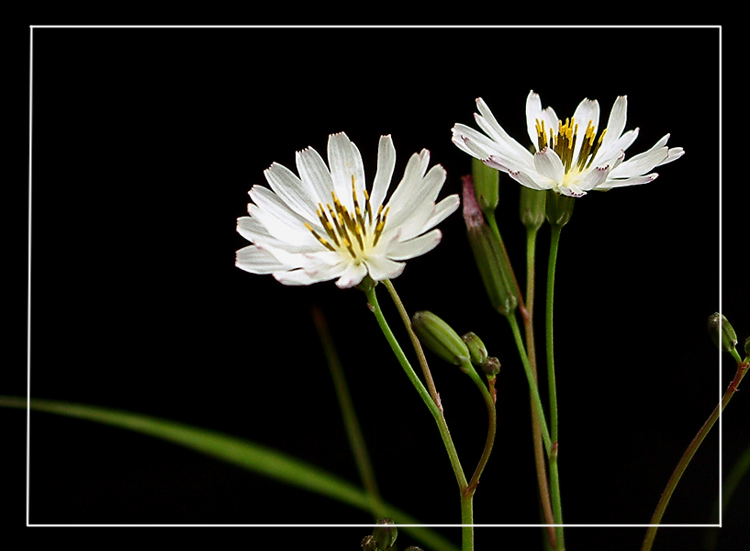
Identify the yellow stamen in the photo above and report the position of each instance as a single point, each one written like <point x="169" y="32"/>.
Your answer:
<point x="564" y="143"/>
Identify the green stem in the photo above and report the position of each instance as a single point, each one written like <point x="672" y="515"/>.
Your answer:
<point x="467" y="518"/>
<point x="541" y="467"/>
<point x="349" y="416"/>
<point x="534" y="388"/>
<point x="553" y="456"/>
<point x="742" y="369"/>
<point x="415" y="343"/>
<point x="489" y="403"/>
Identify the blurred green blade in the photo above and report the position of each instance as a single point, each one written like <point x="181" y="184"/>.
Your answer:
<point x="243" y="453"/>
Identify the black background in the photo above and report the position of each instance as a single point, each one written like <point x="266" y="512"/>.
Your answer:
<point x="145" y="143"/>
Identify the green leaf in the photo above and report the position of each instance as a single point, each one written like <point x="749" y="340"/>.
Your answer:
<point x="238" y="451"/>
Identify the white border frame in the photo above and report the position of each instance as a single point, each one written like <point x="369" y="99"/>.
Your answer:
<point x="28" y="327"/>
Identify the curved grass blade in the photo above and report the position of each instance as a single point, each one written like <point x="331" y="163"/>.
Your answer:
<point x="246" y="454"/>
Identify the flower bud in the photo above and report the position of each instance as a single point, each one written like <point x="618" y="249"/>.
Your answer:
<point x="384" y="534"/>
<point x="486" y="186"/>
<point x="494" y="266"/>
<point x="440" y="338"/>
<point x="532" y="207"/>
<point x="559" y="208"/>
<point x="491" y="367"/>
<point x="477" y="350"/>
<point x="722" y="333"/>
<point x="368" y="543"/>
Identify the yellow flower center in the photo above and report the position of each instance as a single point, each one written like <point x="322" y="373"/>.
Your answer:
<point x="354" y="231"/>
<point x="564" y="143"/>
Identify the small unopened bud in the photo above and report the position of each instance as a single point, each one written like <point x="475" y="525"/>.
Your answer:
<point x="368" y="543"/>
<point x="494" y="266"/>
<point x="491" y="367"/>
<point x="440" y="338"/>
<point x="486" y="186"/>
<point x="477" y="350"/>
<point x="722" y="333"/>
<point x="559" y="208"/>
<point x="384" y="534"/>
<point x="532" y="207"/>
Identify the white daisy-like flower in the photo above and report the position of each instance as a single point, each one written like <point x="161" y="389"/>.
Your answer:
<point x="324" y="224"/>
<point x="570" y="157"/>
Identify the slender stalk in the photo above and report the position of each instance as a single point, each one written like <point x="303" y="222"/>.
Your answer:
<point x="553" y="455"/>
<point x="415" y="343"/>
<point x="534" y="388"/>
<point x="467" y="514"/>
<point x="489" y="402"/>
<point x="467" y="520"/>
<point x="349" y="416"/>
<point x="541" y="467"/>
<point x="742" y="369"/>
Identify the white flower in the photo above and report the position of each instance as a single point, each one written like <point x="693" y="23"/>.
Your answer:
<point x="568" y="156"/>
<point x="324" y="224"/>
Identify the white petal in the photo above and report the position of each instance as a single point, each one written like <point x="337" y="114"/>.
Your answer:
<point x="644" y="162"/>
<point x="528" y="178"/>
<point x="549" y="165"/>
<point x="314" y="272"/>
<point x="281" y="222"/>
<point x="503" y="142"/>
<point x="404" y="250"/>
<point x="255" y="232"/>
<point x="410" y="185"/>
<point x="384" y="173"/>
<point x="258" y="261"/>
<point x="442" y="210"/>
<point x="615" y="148"/>
<point x="302" y="277"/>
<point x="380" y="268"/>
<point x="532" y="180"/>
<point x="346" y="164"/>
<point x="587" y="111"/>
<point x="637" y="180"/>
<point x="291" y="190"/>
<point x="616" y="122"/>
<point x="472" y="142"/>
<point x="250" y="228"/>
<point x="571" y="190"/>
<point x="674" y="154"/>
<point x="534" y="113"/>
<point x="594" y="177"/>
<point x="414" y="206"/>
<point x="315" y="174"/>
<point x="352" y="275"/>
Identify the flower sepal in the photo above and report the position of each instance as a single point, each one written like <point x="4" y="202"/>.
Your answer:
<point x="559" y="208"/>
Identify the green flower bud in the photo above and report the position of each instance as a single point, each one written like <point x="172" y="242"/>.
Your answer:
<point x="494" y="266"/>
<point x="491" y="367"/>
<point x="532" y="207"/>
<point x="477" y="350"/>
<point x="559" y="208"/>
<point x="384" y="534"/>
<point x="486" y="186"/>
<point x="440" y="338"/>
<point x="722" y="332"/>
